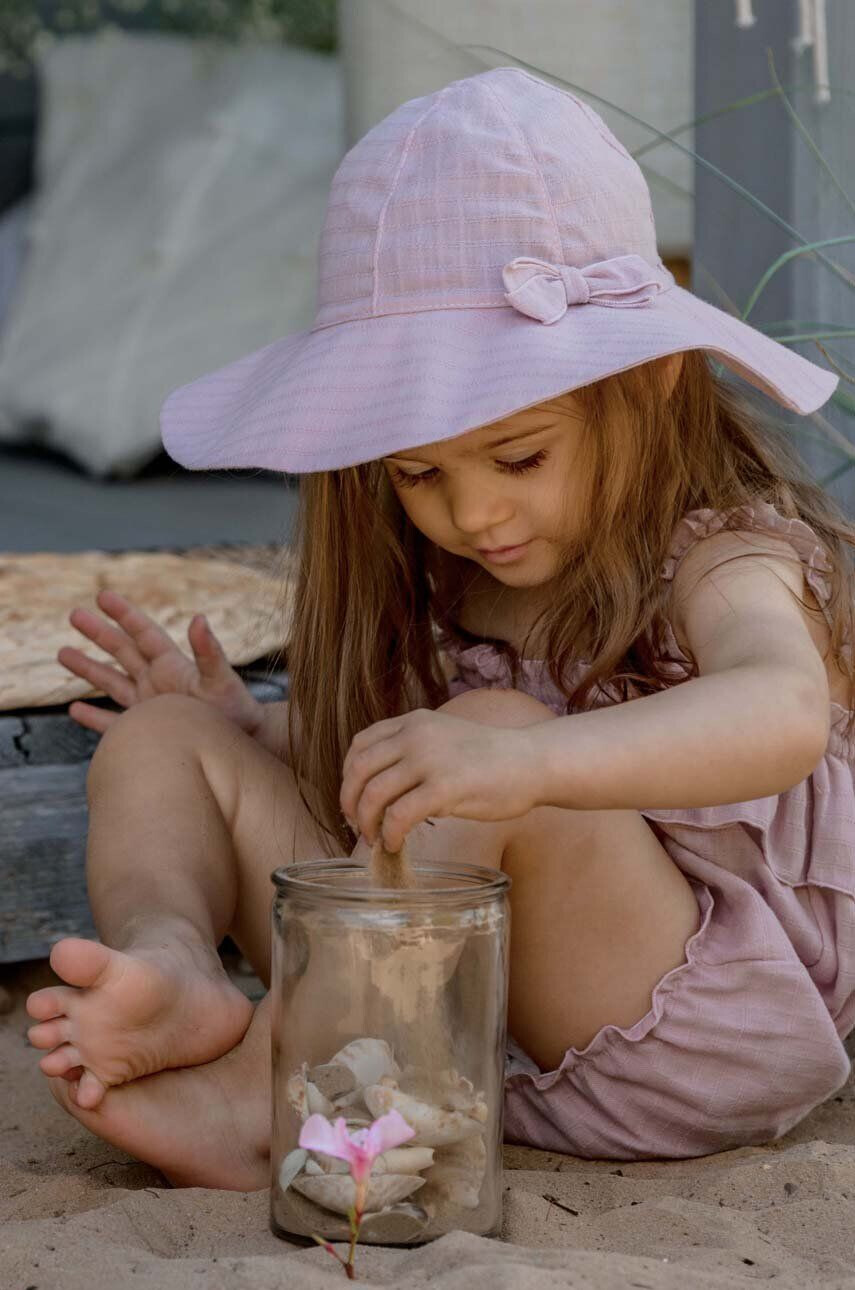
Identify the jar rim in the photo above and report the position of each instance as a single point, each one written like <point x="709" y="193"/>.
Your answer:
<point x="305" y="877"/>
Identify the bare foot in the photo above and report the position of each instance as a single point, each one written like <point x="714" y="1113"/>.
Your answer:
<point x="206" y="1126"/>
<point x="164" y="1002"/>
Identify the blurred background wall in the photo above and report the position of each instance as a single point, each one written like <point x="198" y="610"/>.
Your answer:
<point x="639" y="56"/>
<point x="305" y="79"/>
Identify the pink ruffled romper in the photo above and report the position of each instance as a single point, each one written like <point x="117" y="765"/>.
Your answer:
<point x="745" y="1037"/>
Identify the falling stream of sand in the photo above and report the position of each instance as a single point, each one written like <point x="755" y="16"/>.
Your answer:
<point x="391" y="868"/>
<point x="414" y="978"/>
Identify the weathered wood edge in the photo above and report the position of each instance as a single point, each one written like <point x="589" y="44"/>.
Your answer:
<point x="44" y="759"/>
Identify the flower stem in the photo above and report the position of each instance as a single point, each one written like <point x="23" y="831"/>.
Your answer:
<point x="355" y="1217"/>
<point x="329" y="1249"/>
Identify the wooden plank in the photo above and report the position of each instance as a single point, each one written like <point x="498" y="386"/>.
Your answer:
<point x="44" y="761"/>
<point x="42" y="859"/>
<point x="761" y="148"/>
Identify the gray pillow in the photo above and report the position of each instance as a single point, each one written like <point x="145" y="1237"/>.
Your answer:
<point x="13" y="250"/>
<point x="180" y="192"/>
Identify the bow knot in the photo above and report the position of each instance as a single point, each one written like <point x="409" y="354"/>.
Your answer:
<point x="544" y="290"/>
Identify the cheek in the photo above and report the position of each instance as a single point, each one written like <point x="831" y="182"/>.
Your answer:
<point x="419" y="509"/>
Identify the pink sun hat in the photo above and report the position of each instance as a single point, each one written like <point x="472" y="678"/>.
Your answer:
<point x="485" y="248"/>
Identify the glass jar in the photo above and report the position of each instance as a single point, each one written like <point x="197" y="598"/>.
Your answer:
<point x="390" y="999"/>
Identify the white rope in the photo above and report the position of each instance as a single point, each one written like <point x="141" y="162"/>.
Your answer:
<point x="813" y="33"/>
<point x="820" y="53"/>
<point x="744" y="14"/>
<point x="805" y="36"/>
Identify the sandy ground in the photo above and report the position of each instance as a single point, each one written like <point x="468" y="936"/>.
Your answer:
<point x="78" y="1214"/>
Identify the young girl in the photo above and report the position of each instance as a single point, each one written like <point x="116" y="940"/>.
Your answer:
<point x="566" y="605"/>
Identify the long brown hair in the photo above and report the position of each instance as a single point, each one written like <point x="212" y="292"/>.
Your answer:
<point x="372" y="592"/>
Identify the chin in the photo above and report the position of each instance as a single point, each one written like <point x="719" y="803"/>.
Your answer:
<point x="535" y="573"/>
<point x="519" y="578"/>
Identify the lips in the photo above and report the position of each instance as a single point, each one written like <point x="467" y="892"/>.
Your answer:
<point x="497" y="550"/>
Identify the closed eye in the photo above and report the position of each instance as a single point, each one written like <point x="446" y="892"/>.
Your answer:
<point x="510" y="467"/>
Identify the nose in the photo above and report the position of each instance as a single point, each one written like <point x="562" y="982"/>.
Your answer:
<point x="476" y="510"/>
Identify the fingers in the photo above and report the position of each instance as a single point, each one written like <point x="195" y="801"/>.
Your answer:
<point x="139" y="642"/>
<point x="378" y="801"/>
<point x="208" y="652"/>
<point x="405" y="813"/>
<point x="101" y="675"/>
<point x="98" y="719"/>
<point x="113" y="641"/>
<point x="360" y="766"/>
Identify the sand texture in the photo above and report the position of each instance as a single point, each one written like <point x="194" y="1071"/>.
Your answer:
<point x="78" y="1214"/>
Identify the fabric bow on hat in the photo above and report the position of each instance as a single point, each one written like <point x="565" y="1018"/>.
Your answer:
<point x="544" y="290"/>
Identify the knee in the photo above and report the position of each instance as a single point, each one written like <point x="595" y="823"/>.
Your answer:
<point x="165" y="720"/>
<point x="499" y="707"/>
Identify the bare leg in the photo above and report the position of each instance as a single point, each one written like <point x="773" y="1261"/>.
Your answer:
<point x="588" y="886"/>
<point x="600" y="912"/>
<point x="204" y="1126"/>
<point x="189" y="816"/>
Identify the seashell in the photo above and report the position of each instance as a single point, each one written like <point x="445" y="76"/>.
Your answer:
<point x="456" y="1177"/>
<point x="368" y="1060"/>
<point x="468" y="1153"/>
<point x="338" y="1191"/>
<point x="332" y="1080"/>
<point x="352" y="1102"/>
<point x="297" y="1212"/>
<point x="295" y="1093"/>
<point x="319" y="1163"/>
<point x="458" y="1186"/>
<point x="317" y="1103"/>
<point x="433" y="1126"/>
<point x="291" y="1166"/>
<point x="404" y="1160"/>
<point x="305" y="1098"/>
<point x="395" y="1225"/>
<point x="458" y="1093"/>
<point x="449" y="1090"/>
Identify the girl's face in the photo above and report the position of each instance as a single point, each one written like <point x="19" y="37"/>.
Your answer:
<point x="508" y="484"/>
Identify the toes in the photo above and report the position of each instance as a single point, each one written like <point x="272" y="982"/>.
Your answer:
<point x="60" y="1060"/>
<point x="89" y="1092"/>
<point x="44" y="1005"/>
<point x="61" y="1091"/>
<point x="50" y="1034"/>
<point x="64" y="1089"/>
<point x="79" y="962"/>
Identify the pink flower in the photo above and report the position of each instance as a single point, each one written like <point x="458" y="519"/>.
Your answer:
<point x="361" y="1148"/>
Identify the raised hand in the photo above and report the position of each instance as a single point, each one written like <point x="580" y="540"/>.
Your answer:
<point x="152" y="663"/>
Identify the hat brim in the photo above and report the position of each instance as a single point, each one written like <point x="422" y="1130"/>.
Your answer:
<point x="358" y="391"/>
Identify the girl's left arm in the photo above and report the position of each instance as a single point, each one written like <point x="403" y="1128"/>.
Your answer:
<point x="753" y="723"/>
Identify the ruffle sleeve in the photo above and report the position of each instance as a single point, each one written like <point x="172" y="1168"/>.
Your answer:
<point x="756" y="516"/>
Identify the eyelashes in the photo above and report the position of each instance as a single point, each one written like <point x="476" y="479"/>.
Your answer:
<point x="510" y="467"/>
